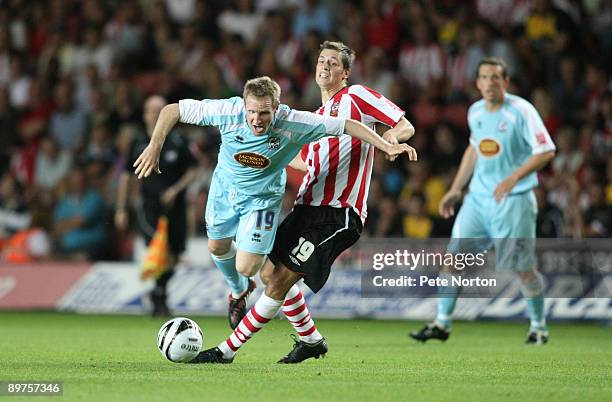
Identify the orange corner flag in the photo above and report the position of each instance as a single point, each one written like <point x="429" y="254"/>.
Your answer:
<point x="156" y="261"/>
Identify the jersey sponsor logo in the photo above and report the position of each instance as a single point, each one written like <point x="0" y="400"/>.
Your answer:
<point x="489" y="148"/>
<point x="252" y="160"/>
<point x="503" y="126"/>
<point x="274" y="143"/>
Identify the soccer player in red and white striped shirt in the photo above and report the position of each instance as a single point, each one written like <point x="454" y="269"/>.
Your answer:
<point x="329" y="213"/>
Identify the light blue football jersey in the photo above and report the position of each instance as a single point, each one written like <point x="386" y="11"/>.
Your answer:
<point x="503" y="141"/>
<point x="255" y="165"/>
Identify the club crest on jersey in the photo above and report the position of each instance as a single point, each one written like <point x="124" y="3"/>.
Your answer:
<point x="503" y="126"/>
<point x="489" y="148"/>
<point x="274" y="143"/>
<point x="252" y="160"/>
<point x="333" y="111"/>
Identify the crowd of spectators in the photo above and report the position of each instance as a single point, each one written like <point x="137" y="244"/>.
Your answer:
<point x="74" y="73"/>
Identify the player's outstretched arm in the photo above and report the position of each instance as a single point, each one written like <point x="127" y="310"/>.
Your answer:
<point x="148" y="161"/>
<point x="466" y="168"/>
<point x="359" y="130"/>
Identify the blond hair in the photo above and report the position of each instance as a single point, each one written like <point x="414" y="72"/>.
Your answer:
<point x="261" y="87"/>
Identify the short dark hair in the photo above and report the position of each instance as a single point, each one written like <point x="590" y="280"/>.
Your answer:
<point x="347" y="55"/>
<point x="494" y="61"/>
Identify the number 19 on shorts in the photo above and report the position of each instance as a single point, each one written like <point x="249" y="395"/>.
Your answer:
<point x="265" y="220"/>
<point x="303" y="250"/>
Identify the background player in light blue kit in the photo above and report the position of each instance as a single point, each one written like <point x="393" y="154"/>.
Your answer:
<point x="259" y="137"/>
<point x="508" y="145"/>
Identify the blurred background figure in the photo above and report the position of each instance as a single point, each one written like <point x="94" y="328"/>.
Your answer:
<point x="33" y="243"/>
<point x="52" y="164"/>
<point x="80" y="219"/>
<point x="69" y="123"/>
<point x="160" y="195"/>
<point x="14" y="210"/>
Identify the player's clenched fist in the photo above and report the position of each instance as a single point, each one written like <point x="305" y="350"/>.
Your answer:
<point x="148" y="161"/>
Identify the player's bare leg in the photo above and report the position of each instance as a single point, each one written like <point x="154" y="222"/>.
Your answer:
<point x="248" y="264"/>
<point x="266" y="272"/>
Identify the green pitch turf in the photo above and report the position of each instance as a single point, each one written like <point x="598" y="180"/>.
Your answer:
<point x="114" y="358"/>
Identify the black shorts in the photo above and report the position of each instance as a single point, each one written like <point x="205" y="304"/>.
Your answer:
<point x="310" y="239"/>
<point x="177" y="222"/>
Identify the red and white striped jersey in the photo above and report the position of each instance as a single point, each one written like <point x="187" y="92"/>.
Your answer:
<point x="340" y="168"/>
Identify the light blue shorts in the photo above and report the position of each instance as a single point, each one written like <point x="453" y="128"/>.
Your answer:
<point x="509" y="227"/>
<point x="252" y="221"/>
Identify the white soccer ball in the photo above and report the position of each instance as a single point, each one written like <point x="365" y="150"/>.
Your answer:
<point x="180" y="340"/>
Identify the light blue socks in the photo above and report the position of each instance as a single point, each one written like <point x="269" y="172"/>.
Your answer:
<point x="446" y="302"/>
<point x="227" y="265"/>
<point x="534" y="294"/>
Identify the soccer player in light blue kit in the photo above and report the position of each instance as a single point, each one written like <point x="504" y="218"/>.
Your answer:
<point x="508" y="145"/>
<point x="259" y="137"/>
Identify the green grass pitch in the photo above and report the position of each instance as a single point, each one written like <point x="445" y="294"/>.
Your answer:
<point x="115" y="358"/>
